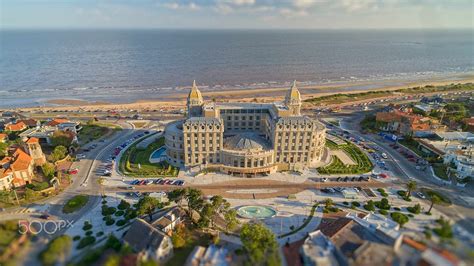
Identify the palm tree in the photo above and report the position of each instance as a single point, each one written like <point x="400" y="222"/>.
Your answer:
<point x="328" y="203"/>
<point x="411" y="185"/>
<point x="434" y="200"/>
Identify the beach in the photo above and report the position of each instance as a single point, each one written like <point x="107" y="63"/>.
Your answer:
<point x="177" y="100"/>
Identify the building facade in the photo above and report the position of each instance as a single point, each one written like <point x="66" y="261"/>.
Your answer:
<point x="245" y="139"/>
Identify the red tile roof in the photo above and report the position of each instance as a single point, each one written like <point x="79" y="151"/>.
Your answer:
<point x="3" y="136"/>
<point x="22" y="160"/>
<point x="57" y="121"/>
<point x="16" y="127"/>
<point x="32" y="140"/>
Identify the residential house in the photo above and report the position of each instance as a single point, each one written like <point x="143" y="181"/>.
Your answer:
<point x="169" y="220"/>
<point x="210" y="256"/>
<point x="359" y="239"/>
<point x="30" y="122"/>
<point x="149" y="242"/>
<point x="18" y="168"/>
<point x="56" y="121"/>
<point x="403" y="121"/>
<point x="15" y="127"/>
<point x="3" y="137"/>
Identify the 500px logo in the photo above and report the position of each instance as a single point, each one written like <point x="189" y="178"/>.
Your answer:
<point x="37" y="226"/>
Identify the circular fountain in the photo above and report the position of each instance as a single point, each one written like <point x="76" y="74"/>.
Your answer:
<point x="256" y="212"/>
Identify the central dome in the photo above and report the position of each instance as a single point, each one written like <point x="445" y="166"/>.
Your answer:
<point x="245" y="141"/>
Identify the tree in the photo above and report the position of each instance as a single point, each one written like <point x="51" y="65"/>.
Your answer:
<point x="3" y="149"/>
<point x="220" y="206"/>
<point x="177" y="195"/>
<point x="57" y="251"/>
<point x="260" y="243"/>
<point x="61" y="138"/>
<point x="231" y="221"/>
<point x="147" y="205"/>
<point x="328" y="202"/>
<point x="59" y="153"/>
<point x="206" y="214"/>
<point x="434" y="199"/>
<point x="48" y="170"/>
<point x="195" y="201"/>
<point x="411" y="185"/>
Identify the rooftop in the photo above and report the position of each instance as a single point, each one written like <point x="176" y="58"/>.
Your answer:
<point x="245" y="141"/>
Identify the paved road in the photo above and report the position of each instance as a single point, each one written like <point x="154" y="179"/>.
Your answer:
<point x="460" y="211"/>
<point x="85" y="183"/>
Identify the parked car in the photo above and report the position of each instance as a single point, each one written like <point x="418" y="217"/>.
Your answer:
<point x="73" y="171"/>
<point x="421" y="195"/>
<point x="384" y="155"/>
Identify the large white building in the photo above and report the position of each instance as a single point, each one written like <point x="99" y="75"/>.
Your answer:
<point x="245" y="139"/>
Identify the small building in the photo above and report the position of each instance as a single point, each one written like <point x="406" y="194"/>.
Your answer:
<point x="17" y="169"/>
<point x="319" y="250"/>
<point x="35" y="151"/>
<point x="16" y="127"/>
<point x="210" y="256"/>
<point x="169" y="220"/>
<point x="149" y="242"/>
<point x="30" y="122"/>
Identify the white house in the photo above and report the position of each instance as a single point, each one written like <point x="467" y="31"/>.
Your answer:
<point x="149" y="242"/>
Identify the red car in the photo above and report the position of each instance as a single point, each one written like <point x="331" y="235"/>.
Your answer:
<point x="73" y="171"/>
<point x="383" y="175"/>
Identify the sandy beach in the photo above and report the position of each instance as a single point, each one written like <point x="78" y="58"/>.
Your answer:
<point x="177" y="100"/>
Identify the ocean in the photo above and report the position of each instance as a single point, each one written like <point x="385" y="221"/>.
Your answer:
<point x="127" y="65"/>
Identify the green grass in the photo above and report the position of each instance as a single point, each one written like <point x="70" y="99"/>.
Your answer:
<point x="349" y="97"/>
<point x="440" y="171"/>
<point x="133" y="157"/>
<point x="429" y="193"/>
<point x="92" y="132"/>
<point x="337" y="167"/>
<point x="181" y="254"/>
<point x="75" y="203"/>
<point x="331" y="145"/>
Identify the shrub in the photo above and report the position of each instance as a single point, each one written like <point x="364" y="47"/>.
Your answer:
<point x="399" y="217"/>
<point x="445" y="230"/>
<point x="397" y="208"/>
<point x="104" y="202"/>
<point x="87" y="226"/>
<point x="109" y="222"/>
<point x="427" y="233"/>
<point x="383" y="204"/>
<point x="123" y="205"/>
<point x="415" y="209"/>
<point x="88" y="233"/>
<point x="370" y="206"/>
<point x="86" y="241"/>
<point x="355" y="203"/>
<point x="57" y="248"/>
<point x="75" y="203"/>
<point x="76" y="238"/>
<point x="384" y="194"/>
<point x="345" y="203"/>
<point x="381" y="190"/>
<point x="121" y="222"/>
<point x="119" y="213"/>
<point x="411" y="215"/>
<point x="383" y="212"/>
<point x="402" y="193"/>
<point x="99" y="234"/>
<point x="108" y="210"/>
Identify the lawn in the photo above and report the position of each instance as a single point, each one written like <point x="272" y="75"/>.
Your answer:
<point x="428" y="192"/>
<point x="95" y="131"/>
<point x="75" y="203"/>
<point x="337" y="167"/>
<point x="440" y="170"/>
<point x="135" y="162"/>
<point x="181" y="254"/>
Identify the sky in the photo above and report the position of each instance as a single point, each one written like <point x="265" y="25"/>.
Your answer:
<point x="237" y="14"/>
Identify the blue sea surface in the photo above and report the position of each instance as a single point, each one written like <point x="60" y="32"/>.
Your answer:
<point x="126" y="65"/>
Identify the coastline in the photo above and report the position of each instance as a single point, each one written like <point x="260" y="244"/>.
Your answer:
<point x="176" y="100"/>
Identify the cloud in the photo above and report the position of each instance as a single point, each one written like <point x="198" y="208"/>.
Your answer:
<point x="177" y="6"/>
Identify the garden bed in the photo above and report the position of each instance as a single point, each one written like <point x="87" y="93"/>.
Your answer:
<point x="75" y="203"/>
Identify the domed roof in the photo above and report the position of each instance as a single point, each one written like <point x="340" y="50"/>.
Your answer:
<point x="244" y="141"/>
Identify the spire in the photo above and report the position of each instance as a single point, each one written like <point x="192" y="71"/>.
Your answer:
<point x="195" y="95"/>
<point x="293" y="94"/>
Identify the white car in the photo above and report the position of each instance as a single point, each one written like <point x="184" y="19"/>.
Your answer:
<point x="421" y="195"/>
<point x="384" y="155"/>
<point x="80" y="156"/>
<point x="325" y="179"/>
